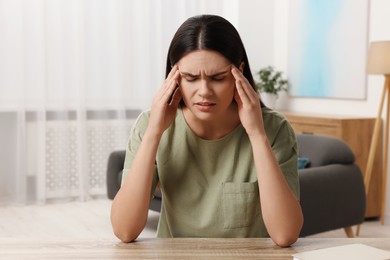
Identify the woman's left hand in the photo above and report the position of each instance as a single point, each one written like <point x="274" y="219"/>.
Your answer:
<point x="248" y="101"/>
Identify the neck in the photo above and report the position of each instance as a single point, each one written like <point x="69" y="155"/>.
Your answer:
<point x="216" y="128"/>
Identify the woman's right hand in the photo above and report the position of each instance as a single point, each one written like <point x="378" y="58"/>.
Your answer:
<point x="163" y="109"/>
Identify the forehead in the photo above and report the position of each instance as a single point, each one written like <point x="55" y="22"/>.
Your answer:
<point x="203" y="61"/>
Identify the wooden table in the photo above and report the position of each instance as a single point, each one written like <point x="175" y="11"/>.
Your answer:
<point x="187" y="248"/>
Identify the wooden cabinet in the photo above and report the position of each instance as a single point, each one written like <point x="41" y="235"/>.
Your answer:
<point x="355" y="131"/>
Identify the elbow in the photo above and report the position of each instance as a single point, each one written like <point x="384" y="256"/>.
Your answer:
<point x="287" y="238"/>
<point x="285" y="241"/>
<point x="125" y="230"/>
<point x="125" y="236"/>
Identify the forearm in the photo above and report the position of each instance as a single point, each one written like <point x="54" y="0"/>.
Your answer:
<point x="281" y="210"/>
<point x="130" y="206"/>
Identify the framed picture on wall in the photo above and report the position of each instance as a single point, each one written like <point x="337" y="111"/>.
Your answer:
<point x="327" y="48"/>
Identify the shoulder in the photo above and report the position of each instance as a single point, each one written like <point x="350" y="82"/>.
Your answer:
<point x="142" y="121"/>
<point x="276" y="125"/>
<point x="272" y="115"/>
<point x="273" y="120"/>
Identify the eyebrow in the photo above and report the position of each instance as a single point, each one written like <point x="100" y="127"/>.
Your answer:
<point x="213" y="75"/>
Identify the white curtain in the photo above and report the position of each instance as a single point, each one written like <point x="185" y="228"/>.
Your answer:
<point x="73" y="76"/>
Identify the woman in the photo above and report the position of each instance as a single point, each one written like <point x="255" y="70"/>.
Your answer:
<point x="226" y="165"/>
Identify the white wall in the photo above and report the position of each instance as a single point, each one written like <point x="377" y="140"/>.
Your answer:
<point x="264" y="28"/>
<point x="255" y="26"/>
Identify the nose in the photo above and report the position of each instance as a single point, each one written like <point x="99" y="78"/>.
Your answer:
<point x="205" y="89"/>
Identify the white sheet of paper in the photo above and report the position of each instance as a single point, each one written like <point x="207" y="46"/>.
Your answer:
<point x="347" y="252"/>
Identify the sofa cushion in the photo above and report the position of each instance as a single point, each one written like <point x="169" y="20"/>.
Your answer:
<point x="324" y="150"/>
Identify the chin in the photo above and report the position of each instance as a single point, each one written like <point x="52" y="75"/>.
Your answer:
<point x="205" y="116"/>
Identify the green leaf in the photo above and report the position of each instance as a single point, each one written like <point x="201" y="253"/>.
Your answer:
<point x="271" y="81"/>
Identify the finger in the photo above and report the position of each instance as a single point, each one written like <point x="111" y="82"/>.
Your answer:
<point x="168" y="81"/>
<point x="169" y="89"/>
<point x="172" y="72"/>
<point x="237" y="97"/>
<point x="237" y="74"/>
<point x="241" y="92"/>
<point x="176" y="98"/>
<point x="246" y="86"/>
<point x="174" y="77"/>
<point x="241" y="84"/>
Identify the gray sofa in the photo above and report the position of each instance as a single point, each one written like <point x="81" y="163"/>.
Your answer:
<point x="332" y="188"/>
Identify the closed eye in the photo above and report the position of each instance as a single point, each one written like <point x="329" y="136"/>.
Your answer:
<point x="190" y="79"/>
<point x="218" y="78"/>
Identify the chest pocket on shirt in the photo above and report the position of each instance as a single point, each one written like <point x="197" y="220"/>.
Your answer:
<point x="240" y="204"/>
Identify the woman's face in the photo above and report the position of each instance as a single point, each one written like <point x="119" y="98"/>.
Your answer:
<point x="206" y="83"/>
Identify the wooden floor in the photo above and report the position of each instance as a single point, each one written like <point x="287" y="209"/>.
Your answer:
<point x="91" y="220"/>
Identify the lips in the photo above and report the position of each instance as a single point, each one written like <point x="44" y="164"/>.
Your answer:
<point x="205" y="106"/>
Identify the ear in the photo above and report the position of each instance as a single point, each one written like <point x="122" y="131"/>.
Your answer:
<point x="242" y="65"/>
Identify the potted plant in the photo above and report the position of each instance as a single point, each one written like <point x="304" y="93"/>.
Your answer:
<point x="270" y="84"/>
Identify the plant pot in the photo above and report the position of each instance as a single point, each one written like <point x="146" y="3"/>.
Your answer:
<point x="269" y="99"/>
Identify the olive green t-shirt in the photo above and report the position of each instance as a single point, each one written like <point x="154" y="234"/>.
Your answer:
<point x="209" y="188"/>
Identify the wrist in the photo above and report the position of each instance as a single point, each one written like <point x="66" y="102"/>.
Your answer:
<point x="152" y="134"/>
<point x="258" y="136"/>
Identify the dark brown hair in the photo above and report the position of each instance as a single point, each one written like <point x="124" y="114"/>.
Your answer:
<point x="209" y="32"/>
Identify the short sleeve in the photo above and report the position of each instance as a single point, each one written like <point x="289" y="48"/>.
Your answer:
<point x="136" y="134"/>
<point x="284" y="145"/>
<point x="286" y="152"/>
